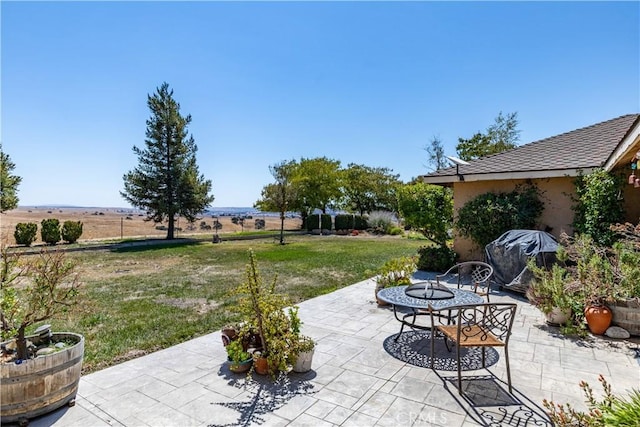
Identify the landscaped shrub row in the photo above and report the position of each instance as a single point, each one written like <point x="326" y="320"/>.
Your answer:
<point x="50" y="232"/>
<point x="341" y="222"/>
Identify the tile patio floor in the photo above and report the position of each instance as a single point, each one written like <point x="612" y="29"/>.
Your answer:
<point x="355" y="381"/>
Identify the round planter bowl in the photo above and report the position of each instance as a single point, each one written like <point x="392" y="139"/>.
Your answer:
<point x="37" y="386"/>
<point x="240" y="367"/>
<point x="558" y="316"/>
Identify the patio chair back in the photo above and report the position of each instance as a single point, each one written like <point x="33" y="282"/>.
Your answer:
<point x="474" y="274"/>
<point x="481" y="325"/>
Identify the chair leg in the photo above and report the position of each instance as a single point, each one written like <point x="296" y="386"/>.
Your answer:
<point x="506" y="356"/>
<point x="459" y="369"/>
<point x="433" y="337"/>
<point x="484" y="353"/>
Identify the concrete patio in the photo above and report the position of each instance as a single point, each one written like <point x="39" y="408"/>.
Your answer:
<point x="357" y="377"/>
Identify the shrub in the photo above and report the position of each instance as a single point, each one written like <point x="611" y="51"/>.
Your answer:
<point x="71" y="231"/>
<point x="50" y="231"/>
<point x="313" y="222"/>
<point x="344" y="222"/>
<point x="597" y="207"/>
<point x="610" y="411"/>
<point x="325" y="221"/>
<point x="396" y="231"/>
<point x="381" y="221"/>
<point x="396" y="272"/>
<point x="25" y="233"/>
<point x="360" y="222"/>
<point x="489" y="215"/>
<point x="436" y="258"/>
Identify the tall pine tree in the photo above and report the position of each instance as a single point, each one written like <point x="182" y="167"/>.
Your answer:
<point x="167" y="183"/>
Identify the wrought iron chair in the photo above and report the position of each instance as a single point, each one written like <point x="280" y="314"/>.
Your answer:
<point x="475" y="274"/>
<point x="482" y="325"/>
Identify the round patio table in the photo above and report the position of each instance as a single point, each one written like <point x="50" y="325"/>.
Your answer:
<point x="423" y="297"/>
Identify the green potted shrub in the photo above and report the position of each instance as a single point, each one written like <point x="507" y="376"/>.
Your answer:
<point x="38" y="372"/>
<point x="548" y="293"/>
<point x="239" y="360"/>
<point x="394" y="272"/>
<point x="262" y="311"/>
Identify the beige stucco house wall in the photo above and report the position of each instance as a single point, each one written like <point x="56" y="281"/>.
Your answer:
<point x="557" y="215"/>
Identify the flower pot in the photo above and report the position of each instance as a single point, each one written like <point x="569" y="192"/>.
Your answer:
<point x="261" y="365"/>
<point x="37" y="386"/>
<point x="240" y="367"/>
<point x="558" y="316"/>
<point x="303" y="361"/>
<point x="598" y="318"/>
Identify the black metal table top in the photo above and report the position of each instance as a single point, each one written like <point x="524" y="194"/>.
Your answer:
<point x="397" y="296"/>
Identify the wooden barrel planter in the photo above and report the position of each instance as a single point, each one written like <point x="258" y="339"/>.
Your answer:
<point x="37" y="386"/>
<point x="626" y="314"/>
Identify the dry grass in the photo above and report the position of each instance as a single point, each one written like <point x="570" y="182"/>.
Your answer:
<point x="111" y="223"/>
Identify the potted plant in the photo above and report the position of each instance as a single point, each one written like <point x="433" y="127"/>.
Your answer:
<point x="394" y="272"/>
<point x="592" y="278"/>
<point x="239" y="360"/>
<point x="303" y="346"/>
<point x="263" y="313"/>
<point x="548" y="293"/>
<point x="39" y="372"/>
<point x="625" y="301"/>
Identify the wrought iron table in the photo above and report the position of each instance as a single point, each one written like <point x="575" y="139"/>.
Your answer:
<point x="422" y="297"/>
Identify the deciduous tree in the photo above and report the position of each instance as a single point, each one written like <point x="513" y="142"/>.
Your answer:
<point x="280" y="195"/>
<point x="427" y="208"/>
<point x="167" y="183"/>
<point x="435" y="154"/>
<point x="501" y="136"/>
<point x="366" y="189"/>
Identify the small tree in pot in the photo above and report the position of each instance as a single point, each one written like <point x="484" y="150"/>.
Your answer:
<point x="33" y="291"/>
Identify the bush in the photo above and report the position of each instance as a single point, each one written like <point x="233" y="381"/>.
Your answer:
<point x="436" y="258"/>
<point x="381" y="221"/>
<point x="360" y="222"/>
<point x="344" y="222"/>
<point x="611" y="410"/>
<point x="396" y="272"/>
<point x="396" y="231"/>
<point x="325" y="221"/>
<point x="50" y="231"/>
<point x="25" y="233"/>
<point x="71" y="231"/>
<point x="313" y="222"/>
<point x="597" y="206"/>
<point x="489" y="215"/>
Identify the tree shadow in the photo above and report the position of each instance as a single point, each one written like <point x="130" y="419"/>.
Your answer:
<point x="265" y="395"/>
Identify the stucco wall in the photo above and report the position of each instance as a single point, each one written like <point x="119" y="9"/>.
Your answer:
<point x="556" y="194"/>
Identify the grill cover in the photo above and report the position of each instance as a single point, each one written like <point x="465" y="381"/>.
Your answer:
<point x="508" y="256"/>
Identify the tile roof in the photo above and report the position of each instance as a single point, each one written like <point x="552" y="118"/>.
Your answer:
<point x="584" y="148"/>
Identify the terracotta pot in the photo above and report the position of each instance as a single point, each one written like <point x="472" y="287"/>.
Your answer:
<point x="261" y="365"/>
<point x="598" y="318"/>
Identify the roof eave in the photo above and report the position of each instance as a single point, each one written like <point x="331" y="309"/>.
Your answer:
<point x="498" y="176"/>
<point x="627" y="143"/>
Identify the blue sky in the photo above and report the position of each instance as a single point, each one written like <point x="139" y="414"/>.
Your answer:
<point x="364" y="82"/>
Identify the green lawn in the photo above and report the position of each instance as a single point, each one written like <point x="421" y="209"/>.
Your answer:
<point x="144" y="299"/>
